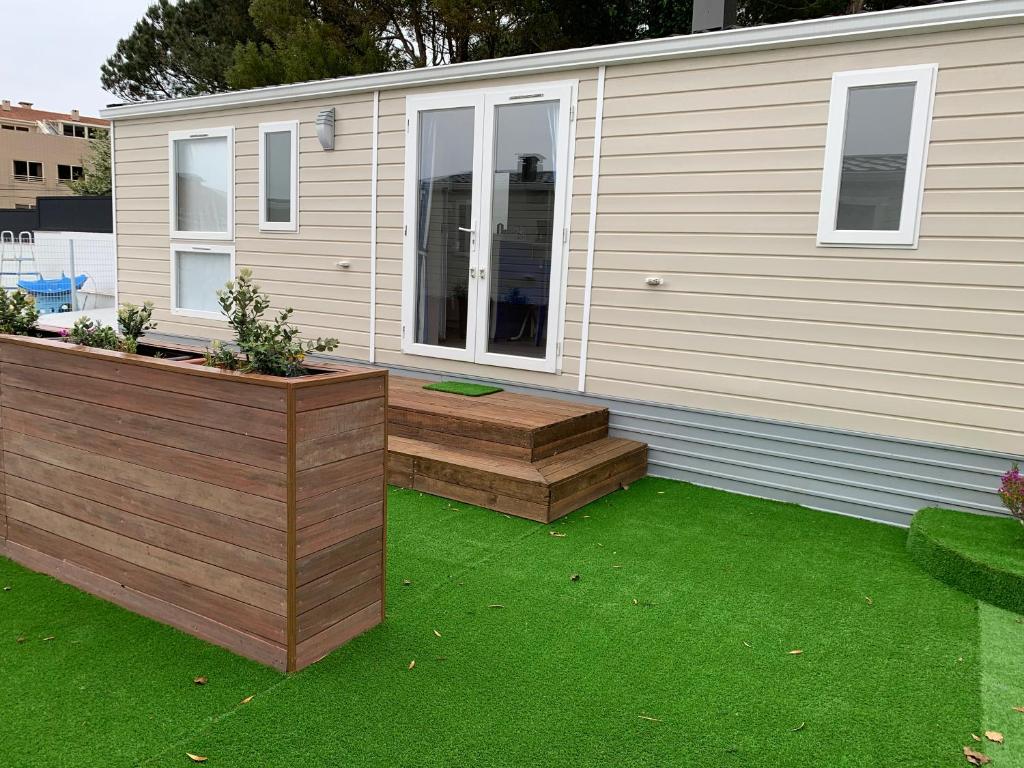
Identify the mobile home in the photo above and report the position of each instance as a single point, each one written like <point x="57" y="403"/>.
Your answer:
<point x="789" y="258"/>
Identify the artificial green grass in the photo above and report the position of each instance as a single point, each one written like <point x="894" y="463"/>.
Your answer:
<point x="1002" y="683"/>
<point x="671" y="648"/>
<point x="466" y="388"/>
<point x="983" y="556"/>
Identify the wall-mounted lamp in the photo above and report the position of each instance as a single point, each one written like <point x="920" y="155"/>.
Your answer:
<point x="325" y="128"/>
<point x="654" y="281"/>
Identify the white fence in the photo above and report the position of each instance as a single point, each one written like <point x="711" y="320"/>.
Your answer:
<point x="64" y="271"/>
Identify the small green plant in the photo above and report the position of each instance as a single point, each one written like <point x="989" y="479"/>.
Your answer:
<point x="132" y="321"/>
<point x="268" y="347"/>
<point x="18" y="313"/>
<point x="90" y="333"/>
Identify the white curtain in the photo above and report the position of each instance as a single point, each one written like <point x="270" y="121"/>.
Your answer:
<point x="552" y="115"/>
<point x="201" y="180"/>
<point x="200" y="276"/>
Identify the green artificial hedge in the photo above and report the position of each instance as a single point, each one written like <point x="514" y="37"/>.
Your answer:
<point x="980" y="555"/>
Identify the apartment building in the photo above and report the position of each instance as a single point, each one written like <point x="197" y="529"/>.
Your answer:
<point x="41" y="151"/>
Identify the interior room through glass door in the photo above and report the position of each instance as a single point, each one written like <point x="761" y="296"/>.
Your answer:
<point x="444" y="237"/>
<point x="524" y="228"/>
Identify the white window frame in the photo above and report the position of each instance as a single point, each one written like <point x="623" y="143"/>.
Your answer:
<point x="177" y="248"/>
<point x="923" y="76"/>
<point x="292" y="225"/>
<point x="202" y="133"/>
<point x="484" y="102"/>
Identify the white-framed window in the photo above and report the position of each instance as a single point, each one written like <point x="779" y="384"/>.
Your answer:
<point x="198" y="271"/>
<point x="202" y="179"/>
<point x="27" y="170"/>
<point x="279" y="177"/>
<point x="875" y="155"/>
<point x="66" y="173"/>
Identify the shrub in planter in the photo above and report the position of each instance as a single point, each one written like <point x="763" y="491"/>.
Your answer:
<point x="1011" y="492"/>
<point x="132" y="322"/>
<point x="18" y="312"/>
<point x="268" y="347"/>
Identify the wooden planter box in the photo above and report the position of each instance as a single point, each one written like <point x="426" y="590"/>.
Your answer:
<point x="246" y="510"/>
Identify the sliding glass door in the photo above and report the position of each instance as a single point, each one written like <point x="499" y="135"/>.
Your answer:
<point x="485" y="208"/>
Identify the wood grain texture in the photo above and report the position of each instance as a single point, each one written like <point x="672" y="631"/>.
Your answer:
<point x="522" y="455"/>
<point x="173" y="489"/>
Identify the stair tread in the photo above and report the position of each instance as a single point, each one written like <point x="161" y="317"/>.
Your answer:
<point x="545" y="472"/>
<point x="509" y="409"/>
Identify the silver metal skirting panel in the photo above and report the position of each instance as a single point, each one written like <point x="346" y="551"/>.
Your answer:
<point x="870" y="476"/>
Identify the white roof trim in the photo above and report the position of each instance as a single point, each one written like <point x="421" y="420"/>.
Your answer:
<point x="929" y="18"/>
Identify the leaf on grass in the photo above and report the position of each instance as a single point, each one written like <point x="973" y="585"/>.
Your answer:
<point x="795" y="652"/>
<point x="976" y="737"/>
<point x="412" y="664"/>
<point x="574" y="577"/>
<point x="798" y="728"/>
<point x="22" y="639"/>
<point x="247" y="699"/>
<point x="495" y="605"/>
<point x="869" y="600"/>
<point x="1019" y="709"/>
<point x="994" y="736"/>
<point x="557" y="534"/>
<point x="976" y="758"/>
<point x="747" y="644"/>
<point x="616" y="566"/>
<point x="49" y="637"/>
<point x="647" y="717"/>
<point x="7" y="589"/>
<point x="196" y="758"/>
<point x="406" y="583"/>
<point x="201" y="680"/>
<point x="436" y="633"/>
<point x="635" y="601"/>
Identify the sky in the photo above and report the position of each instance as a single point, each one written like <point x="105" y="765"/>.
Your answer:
<point x="52" y="50"/>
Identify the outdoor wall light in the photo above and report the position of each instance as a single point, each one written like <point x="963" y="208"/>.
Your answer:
<point x="654" y="281"/>
<point x="325" y="128"/>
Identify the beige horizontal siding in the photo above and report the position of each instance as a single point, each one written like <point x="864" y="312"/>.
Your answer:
<point x="298" y="269"/>
<point x="710" y="178"/>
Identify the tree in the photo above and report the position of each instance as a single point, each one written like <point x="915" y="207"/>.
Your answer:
<point x="96" y="175"/>
<point x="181" y="49"/>
<point x="203" y="46"/>
<point x="307" y="40"/>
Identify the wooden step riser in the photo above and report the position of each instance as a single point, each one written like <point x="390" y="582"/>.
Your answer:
<point x="497" y="439"/>
<point x="516" y="496"/>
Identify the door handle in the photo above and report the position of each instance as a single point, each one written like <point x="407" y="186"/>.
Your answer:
<point x="465" y="229"/>
<point x="472" y="271"/>
<point x="483" y="273"/>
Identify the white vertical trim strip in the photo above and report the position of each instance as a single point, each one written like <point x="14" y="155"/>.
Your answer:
<point x="373" y="227"/>
<point x="113" y="205"/>
<point x="595" y="178"/>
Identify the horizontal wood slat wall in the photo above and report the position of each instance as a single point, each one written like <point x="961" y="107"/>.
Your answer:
<point x="244" y="509"/>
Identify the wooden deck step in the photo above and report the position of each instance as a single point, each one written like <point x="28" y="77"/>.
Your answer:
<point x="504" y="424"/>
<point x="541" y="490"/>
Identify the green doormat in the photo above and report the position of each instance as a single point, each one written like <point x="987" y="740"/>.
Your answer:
<point x="463" y="388"/>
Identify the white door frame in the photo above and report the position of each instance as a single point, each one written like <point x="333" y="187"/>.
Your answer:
<point x="485" y="102"/>
<point x="415" y="105"/>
